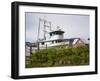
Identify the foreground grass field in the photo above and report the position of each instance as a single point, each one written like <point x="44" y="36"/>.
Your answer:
<point x="53" y="57"/>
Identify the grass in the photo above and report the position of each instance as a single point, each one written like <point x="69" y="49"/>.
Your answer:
<point x="53" y="57"/>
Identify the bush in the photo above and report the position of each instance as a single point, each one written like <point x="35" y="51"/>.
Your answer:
<point x="59" y="57"/>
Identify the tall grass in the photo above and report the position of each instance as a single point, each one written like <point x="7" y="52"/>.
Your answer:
<point x="59" y="57"/>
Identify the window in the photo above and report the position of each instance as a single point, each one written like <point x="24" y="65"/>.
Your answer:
<point x="52" y="42"/>
<point x="42" y="43"/>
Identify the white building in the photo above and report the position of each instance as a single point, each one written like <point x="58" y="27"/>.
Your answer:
<point x="57" y="40"/>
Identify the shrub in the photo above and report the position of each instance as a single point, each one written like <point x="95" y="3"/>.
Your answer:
<point x="59" y="57"/>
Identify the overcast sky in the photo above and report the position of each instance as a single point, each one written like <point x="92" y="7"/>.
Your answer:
<point x="74" y="26"/>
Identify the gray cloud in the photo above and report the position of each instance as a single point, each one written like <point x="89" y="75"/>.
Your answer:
<point x="73" y="25"/>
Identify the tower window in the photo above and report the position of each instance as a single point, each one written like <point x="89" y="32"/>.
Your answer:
<point x="52" y="42"/>
<point x="42" y="43"/>
<point x="56" y="41"/>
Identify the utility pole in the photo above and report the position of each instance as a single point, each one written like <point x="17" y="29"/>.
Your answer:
<point x="44" y="29"/>
<point x="38" y="35"/>
<point x="50" y="26"/>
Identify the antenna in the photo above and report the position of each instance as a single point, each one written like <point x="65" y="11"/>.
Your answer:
<point x="46" y="24"/>
<point x="38" y="30"/>
<point x="58" y="28"/>
<point x="38" y="34"/>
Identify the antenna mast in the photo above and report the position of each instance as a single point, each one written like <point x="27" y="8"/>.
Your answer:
<point x="45" y="24"/>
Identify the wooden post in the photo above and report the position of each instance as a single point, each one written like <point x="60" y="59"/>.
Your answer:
<point x="30" y="50"/>
<point x="38" y="48"/>
<point x="38" y="35"/>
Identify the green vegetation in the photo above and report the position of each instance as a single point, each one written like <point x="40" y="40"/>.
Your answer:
<point x="59" y="57"/>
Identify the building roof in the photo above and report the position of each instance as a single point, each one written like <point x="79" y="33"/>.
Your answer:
<point x="70" y="39"/>
<point x="75" y="41"/>
<point x="30" y="44"/>
<point x="57" y="32"/>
